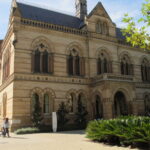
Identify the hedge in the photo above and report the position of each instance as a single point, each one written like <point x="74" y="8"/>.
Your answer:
<point x="125" y="131"/>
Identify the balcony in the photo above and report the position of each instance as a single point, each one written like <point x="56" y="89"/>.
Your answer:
<point x="112" y="77"/>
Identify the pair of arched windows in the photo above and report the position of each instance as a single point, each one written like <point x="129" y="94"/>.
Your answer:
<point x="75" y="64"/>
<point x="102" y="28"/>
<point x="103" y="64"/>
<point x="42" y="60"/>
<point x="73" y="102"/>
<point x="46" y="103"/>
<point x="6" y="65"/>
<point x="145" y="70"/>
<point x="126" y="66"/>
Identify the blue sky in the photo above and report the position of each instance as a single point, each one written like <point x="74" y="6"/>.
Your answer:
<point x="115" y="8"/>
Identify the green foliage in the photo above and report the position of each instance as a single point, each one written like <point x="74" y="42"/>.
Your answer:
<point x="81" y="115"/>
<point x="37" y="115"/>
<point x="27" y="131"/>
<point x="62" y="116"/>
<point x="129" y="130"/>
<point x="138" y="37"/>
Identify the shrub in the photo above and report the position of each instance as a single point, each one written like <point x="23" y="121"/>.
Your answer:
<point x="81" y="115"/>
<point x="28" y="130"/>
<point x="129" y="130"/>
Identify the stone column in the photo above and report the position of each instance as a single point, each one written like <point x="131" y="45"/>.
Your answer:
<point x="107" y="108"/>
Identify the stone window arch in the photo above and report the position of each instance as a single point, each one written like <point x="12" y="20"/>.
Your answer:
<point x="42" y="59"/>
<point x="126" y="66"/>
<point x="145" y="70"/>
<point x="104" y="65"/>
<point x="75" y="63"/>
<point x="105" y="28"/>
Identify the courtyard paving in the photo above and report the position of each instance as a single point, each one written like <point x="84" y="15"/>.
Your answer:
<point x="74" y="140"/>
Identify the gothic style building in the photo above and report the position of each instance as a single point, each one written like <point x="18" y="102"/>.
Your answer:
<point x="52" y="57"/>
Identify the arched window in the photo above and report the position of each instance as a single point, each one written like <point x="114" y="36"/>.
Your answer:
<point x="37" y="61"/>
<point x="6" y="65"/>
<point x="99" y="27"/>
<point x="105" y="28"/>
<point x="71" y="103"/>
<point x="75" y="64"/>
<point x="45" y="62"/>
<point x="103" y="64"/>
<point x="42" y="60"/>
<point x="147" y="104"/>
<point x="145" y="70"/>
<point x="35" y="101"/>
<point x="126" y="67"/>
<point x="46" y="107"/>
<point x="81" y="102"/>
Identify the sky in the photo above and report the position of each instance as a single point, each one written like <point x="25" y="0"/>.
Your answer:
<point x="115" y="8"/>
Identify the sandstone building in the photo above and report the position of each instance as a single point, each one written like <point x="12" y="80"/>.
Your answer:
<point x="54" y="57"/>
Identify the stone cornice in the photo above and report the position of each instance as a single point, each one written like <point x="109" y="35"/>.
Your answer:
<point x="53" y="27"/>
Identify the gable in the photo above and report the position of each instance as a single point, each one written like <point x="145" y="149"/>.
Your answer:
<point x="99" y="10"/>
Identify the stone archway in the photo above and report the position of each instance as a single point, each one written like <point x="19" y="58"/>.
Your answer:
<point x="120" y="104"/>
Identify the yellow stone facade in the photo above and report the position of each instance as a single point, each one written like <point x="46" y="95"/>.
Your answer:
<point x="17" y="89"/>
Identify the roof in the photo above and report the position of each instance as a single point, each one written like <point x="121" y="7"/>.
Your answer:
<point x="49" y="16"/>
<point x="119" y="34"/>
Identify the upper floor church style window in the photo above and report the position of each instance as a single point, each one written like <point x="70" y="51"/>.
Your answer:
<point x="75" y="64"/>
<point x="42" y="60"/>
<point x="102" y="27"/>
<point x="145" y="70"/>
<point x="126" y="66"/>
<point x="104" y="65"/>
<point x="6" y="65"/>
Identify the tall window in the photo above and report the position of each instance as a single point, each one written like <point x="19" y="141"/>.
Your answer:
<point x="81" y="101"/>
<point x="102" y="27"/>
<point x="126" y="66"/>
<point x="145" y="70"/>
<point x="103" y="64"/>
<point x="75" y="64"/>
<point x="37" y="61"/>
<point x="35" y="100"/>
<point x="6" y="65"/>
<point x="45" y="62"/>
<point x="42" y="60"/>
<point x="46" y="107"/>
<point x="71" y="102"/>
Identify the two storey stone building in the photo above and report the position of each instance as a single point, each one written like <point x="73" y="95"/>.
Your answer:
<point x="52" y="57"/>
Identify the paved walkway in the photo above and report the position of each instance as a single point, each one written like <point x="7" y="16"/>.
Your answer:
<point x="53" y="141"/>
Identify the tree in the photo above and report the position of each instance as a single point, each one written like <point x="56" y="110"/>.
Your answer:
<point x="81" y="115"/>
<point x="37" y="114"/>
<point x="62" y="118"/>
<point x="138" y="37"/>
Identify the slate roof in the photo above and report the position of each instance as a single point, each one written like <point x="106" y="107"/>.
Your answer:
<point x="49" y="16"/>
<point x="52" y="17"/>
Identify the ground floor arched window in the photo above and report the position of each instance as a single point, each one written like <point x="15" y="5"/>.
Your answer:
<point x="35" y="101"/>
<point x="120" y="105"/>
<point x="98" y="107"/>
<point x="46" y="107"/>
